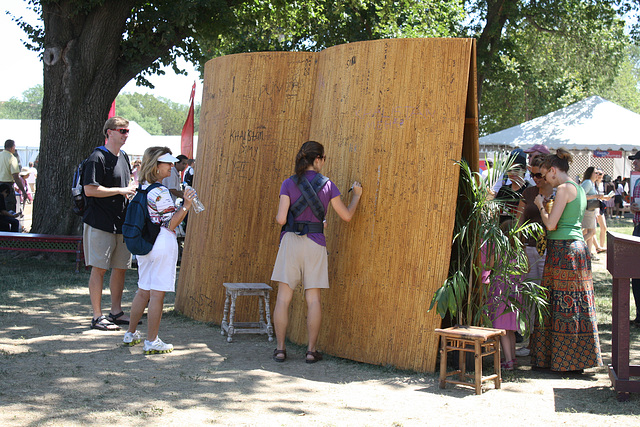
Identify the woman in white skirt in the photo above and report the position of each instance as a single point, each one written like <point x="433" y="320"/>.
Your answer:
<point x="157" y="269"/>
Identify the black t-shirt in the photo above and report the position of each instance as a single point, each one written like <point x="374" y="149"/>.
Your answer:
<point x="104" y="168"/>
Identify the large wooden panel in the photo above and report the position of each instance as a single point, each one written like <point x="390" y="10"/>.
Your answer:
<point x="392" y="114"/>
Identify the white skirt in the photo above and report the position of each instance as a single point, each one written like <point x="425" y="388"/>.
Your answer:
<point x="157" y="269"/>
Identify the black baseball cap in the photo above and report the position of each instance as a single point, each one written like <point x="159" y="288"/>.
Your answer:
<point x="635" y="156"/>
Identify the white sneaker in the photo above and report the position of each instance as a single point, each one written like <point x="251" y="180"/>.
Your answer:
<point x="523" y="352"/>
<point x="131" y="338"/>
<point x="157" y="346"/>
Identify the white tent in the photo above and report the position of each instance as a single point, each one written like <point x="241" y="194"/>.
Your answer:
<point x="26" y="134"/>
<point x="591" y="124"/>
<point x="598" y="132"/>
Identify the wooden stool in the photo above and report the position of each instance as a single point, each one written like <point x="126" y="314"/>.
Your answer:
<point x="233" y="291"/>
<point x="470" y="339"/>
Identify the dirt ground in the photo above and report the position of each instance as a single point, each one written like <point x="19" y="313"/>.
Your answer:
<point x="55" y="371"/>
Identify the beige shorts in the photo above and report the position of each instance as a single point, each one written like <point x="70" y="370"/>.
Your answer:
<point x="105" y="250"/>
<point x="300" y="259"/>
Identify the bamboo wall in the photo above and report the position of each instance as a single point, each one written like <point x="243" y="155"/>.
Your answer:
<point x="392" y="114"/>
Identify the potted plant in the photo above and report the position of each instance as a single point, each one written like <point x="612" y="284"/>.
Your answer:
<point x="477" y="225"/>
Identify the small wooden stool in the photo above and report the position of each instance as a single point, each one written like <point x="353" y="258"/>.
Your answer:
<point x="470" y="339"/>
<point x="262" y="326"/>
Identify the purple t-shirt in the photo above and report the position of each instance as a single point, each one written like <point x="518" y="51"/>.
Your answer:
<point x="328" y="192"/>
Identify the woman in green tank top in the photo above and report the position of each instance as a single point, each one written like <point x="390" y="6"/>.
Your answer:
<point x="567" y="339"/>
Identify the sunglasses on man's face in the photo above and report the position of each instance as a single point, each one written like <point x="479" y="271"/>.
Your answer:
<point x="537" y="175"/>
<point x="123" y="131"/>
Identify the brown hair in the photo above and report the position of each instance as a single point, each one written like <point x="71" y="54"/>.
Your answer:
<point x="114" y="123"/>
<point x="308" y="153"/>
<point x="560" y="160"/>
<point x="149" y="167"/>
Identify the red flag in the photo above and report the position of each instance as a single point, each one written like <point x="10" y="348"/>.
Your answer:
<point x="186" y="143"/>
<point x="112" y="111"/>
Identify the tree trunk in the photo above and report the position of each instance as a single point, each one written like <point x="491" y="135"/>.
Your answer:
<point x="498" y="11"/>
<point x="82" y="77"/>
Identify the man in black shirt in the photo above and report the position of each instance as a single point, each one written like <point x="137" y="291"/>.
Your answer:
<point x="107" y="183"/>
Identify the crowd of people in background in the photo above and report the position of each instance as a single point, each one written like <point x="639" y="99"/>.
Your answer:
<point x="539" y="190"/>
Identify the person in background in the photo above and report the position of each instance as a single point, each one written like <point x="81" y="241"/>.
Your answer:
<point x="302" y="256"/>
<point x="135" y="171"/>
<point x="567" y="339"/>
<point x="635" y="210"/>
<point x="599" y="241"/>
<point x="589" y="219"/>
<point x="534" y="152"/>
<point x="501" y="289"/>
<point x="31" y="180"/>
<point x="8" y="220"/>
<point x="157" y="269"/>
<point x="511" y="193"/>
<point x="10" y="173"/>
<point x="618" y="189"/>
<point x="188" y="173"/>
<point x="173" y="181"/>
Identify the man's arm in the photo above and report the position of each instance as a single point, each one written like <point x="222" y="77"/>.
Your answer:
<point x="99" y="191"/>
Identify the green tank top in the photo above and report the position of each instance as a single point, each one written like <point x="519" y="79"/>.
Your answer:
<point x="570" y="223"/>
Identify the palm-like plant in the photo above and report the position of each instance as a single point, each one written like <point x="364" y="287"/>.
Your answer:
<point x="477" y="226"/>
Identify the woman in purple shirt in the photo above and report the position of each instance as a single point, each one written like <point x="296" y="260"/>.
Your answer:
<point x="302" y="257"/>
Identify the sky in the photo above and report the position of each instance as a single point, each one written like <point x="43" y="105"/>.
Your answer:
<point x="22" y="69"/>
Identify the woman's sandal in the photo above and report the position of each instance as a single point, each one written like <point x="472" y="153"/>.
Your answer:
<point x="315" y="354"/>
<point x="115" y="318"/>
<point x="277" y="352"/>
<point x="103" y="324"/>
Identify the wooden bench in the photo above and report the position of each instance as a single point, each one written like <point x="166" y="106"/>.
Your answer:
<point x="43" y="243"/>
<point x="470" y="339"/>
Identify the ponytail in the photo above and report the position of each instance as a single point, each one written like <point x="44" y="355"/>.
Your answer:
<point x="560" y="160"/>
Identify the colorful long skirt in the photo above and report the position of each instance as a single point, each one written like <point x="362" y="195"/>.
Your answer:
<point x="567" y="339"/>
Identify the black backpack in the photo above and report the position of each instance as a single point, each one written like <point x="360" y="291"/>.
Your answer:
<point x="79" y="201"/>
<point x="138" y="231"/>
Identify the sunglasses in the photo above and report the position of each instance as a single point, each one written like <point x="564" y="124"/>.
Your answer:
<point x="598" y="173"/>
<point x="123" y="131"/>
<point x="537" y="175"/>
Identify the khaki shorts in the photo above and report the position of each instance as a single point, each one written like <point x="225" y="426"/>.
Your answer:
<point x="300" y="259"/>
<point x="105" y="250"/>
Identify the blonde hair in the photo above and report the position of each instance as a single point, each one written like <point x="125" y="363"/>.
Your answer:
<point x="114" y="122"/>
<point x="149" y="167"/>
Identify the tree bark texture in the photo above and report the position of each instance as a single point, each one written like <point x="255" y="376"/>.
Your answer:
<point x="83" y="74"/>
<point x="498" y="11"/>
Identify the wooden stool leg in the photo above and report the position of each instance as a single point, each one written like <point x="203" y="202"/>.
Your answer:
<point x="268" y="313"/>
<point x="443" y="361"/>
<point x="232" y="314"/>
<point x="225" y="316"/>
<point x="462" y="359"/>
<point x="496" y="362"/>
<point x="478" y="357"/>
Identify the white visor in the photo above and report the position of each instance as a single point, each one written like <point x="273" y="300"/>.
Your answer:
<point x="168" y="158"/>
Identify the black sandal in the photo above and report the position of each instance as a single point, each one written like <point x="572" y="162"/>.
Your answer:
<point x="277" y="352"/>
<point x="103" y="324"/>
<point x="315" y="354"/>
<point x="115" y="318"/>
